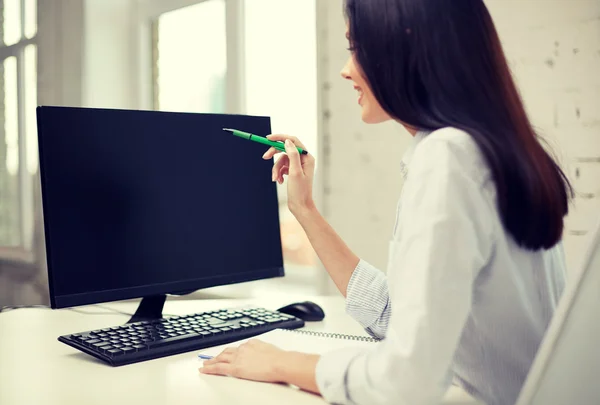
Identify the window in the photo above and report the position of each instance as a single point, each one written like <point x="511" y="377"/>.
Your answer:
<point x="217" y="56"/>
<point x="18" y="135"/>
<point x="190" y="55"/>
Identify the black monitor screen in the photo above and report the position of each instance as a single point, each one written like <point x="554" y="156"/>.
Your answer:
<point x="139" y="203"/>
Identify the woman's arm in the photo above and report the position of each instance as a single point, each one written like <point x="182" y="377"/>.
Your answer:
<point x="337" y="258"/>
<point x="368" y="299"/>
<point x="364" y="286"/>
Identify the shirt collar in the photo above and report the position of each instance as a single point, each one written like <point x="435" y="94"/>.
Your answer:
<point x="408" y="155"/>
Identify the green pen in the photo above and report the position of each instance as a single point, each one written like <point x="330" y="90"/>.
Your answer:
<point x="256" y="138"/>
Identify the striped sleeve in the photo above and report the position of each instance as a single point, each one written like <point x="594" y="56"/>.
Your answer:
<point x="368" y="300"/>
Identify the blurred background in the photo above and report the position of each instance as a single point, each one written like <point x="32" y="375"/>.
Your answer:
<point x="279" y="58"/>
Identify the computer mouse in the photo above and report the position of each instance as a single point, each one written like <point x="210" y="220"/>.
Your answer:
<point x="307" y="311"/>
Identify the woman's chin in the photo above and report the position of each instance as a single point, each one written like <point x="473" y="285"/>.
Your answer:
<point x="368" y="118"/>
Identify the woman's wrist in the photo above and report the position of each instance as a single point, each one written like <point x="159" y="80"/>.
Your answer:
<point x="305" y="212"/>
<point x="297" y="369"/>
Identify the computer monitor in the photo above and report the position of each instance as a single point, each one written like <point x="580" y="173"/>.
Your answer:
<point x="146" y="203"/>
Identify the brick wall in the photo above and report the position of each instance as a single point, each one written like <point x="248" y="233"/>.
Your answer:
<point x="554" y="49"/>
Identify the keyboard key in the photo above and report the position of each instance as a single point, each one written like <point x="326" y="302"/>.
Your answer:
<point x="172" y="340"/>
<point x="114" y="352"/>
<point x="92" y="341"/>
<point x="140" y="347"/>
<point x="204" y="333"/>
<point x="215" y="321"/>
<point x="100" y="344"/>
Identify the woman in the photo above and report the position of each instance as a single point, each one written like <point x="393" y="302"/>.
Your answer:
<point x="476" y="265"/>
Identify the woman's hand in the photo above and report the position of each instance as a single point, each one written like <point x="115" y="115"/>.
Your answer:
<point x="300" y="170"/>
<point x="259" y="361"/>
<point x="253" y="360"/>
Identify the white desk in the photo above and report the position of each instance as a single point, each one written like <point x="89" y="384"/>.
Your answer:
<point x="36" y="369"/>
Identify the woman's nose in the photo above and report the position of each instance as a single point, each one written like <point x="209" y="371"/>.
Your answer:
<point x="346" y="71"/>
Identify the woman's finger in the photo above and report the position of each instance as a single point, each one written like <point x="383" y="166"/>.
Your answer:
<point x="282" y="161"/>
<point x="295" y="166"/>
<point x="270" y="153"/>
<point x="225" y="357"/>
<point x="217" y="369"/>
<point x="222" y="358"/>
<point x="284" y="171"/>
<point x="283" y="138"/>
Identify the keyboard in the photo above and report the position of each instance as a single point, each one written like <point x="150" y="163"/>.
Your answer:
<point x="147" y="340"/>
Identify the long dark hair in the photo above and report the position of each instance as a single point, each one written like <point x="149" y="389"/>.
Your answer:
<point x="439" y="63"/>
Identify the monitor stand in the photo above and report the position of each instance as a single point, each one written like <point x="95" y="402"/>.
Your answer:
<point x="150" y="309"/>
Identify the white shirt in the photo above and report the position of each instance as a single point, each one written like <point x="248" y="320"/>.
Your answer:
<point x="460" y="301"/>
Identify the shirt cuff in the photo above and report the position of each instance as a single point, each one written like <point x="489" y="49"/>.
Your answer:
<point x="331" y="374"/>
<point x="367" y="294"/>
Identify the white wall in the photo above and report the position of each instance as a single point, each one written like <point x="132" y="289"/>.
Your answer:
<point x="561" y="88"/>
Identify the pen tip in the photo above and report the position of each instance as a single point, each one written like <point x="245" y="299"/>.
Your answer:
<point x="228" y="129"/>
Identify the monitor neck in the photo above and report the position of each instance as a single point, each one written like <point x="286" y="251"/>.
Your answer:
<point x="150" y="309"/>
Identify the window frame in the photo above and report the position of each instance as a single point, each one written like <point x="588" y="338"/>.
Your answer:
<point x="26" y="181"/>
<point x="148" y="11"/>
